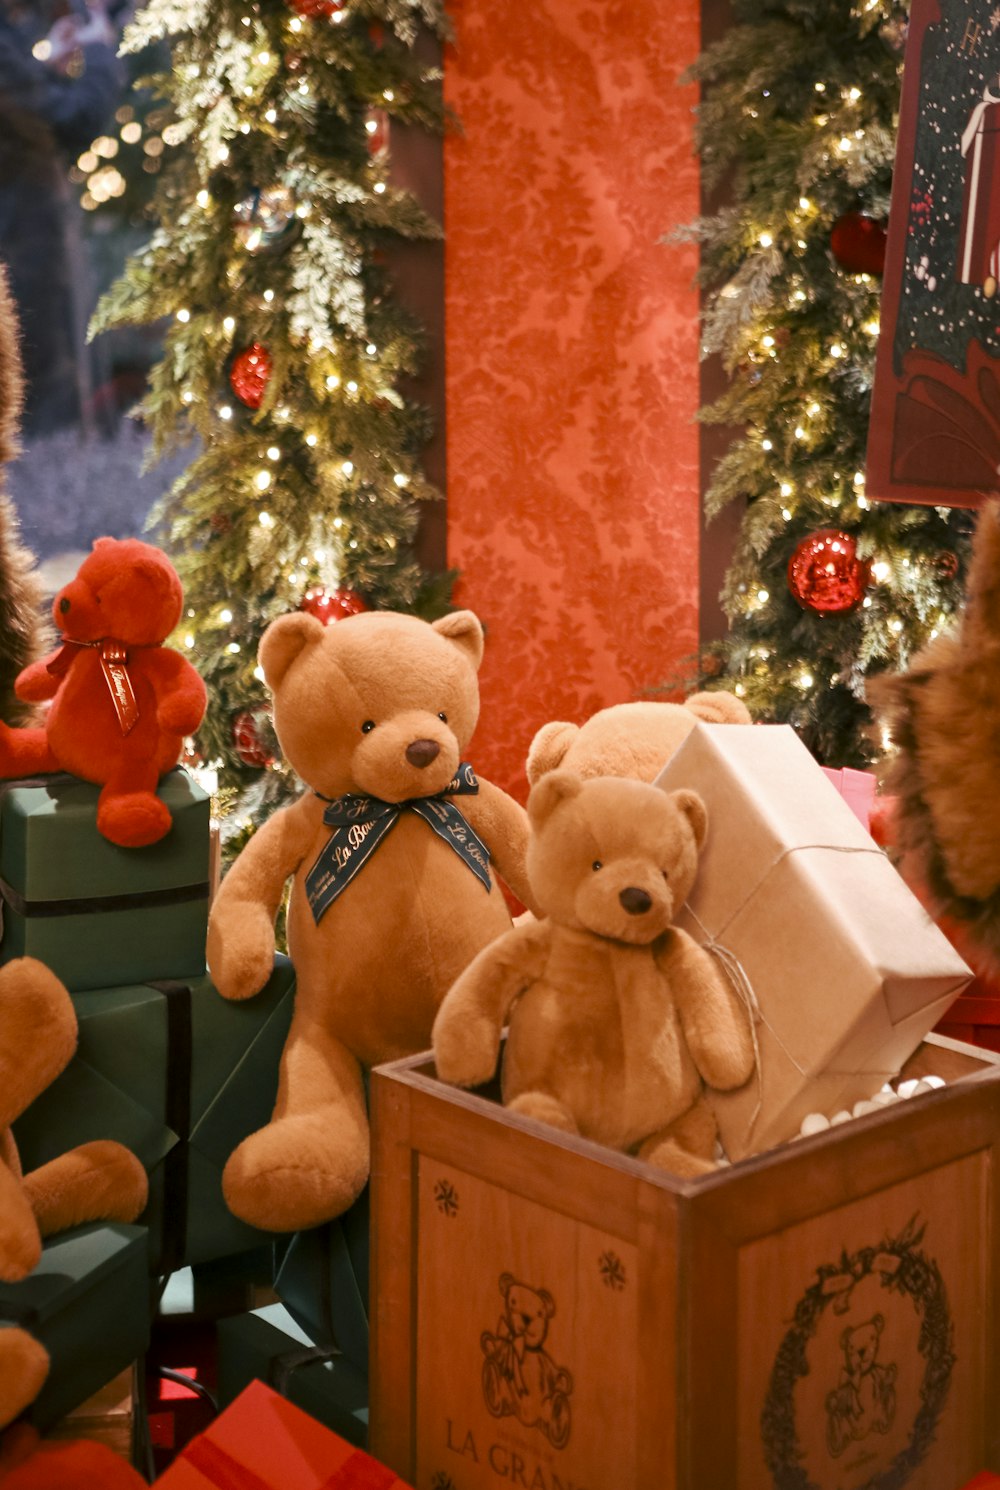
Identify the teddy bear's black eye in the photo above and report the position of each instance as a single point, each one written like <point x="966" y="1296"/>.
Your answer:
<point x="368" y="726"/>
<point x="443" y="718"/>
<point x="597" y="864"/>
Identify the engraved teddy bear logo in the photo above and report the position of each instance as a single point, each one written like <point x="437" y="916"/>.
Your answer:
<point x="520" y="1378"/>
<point x="864" y="1402"/>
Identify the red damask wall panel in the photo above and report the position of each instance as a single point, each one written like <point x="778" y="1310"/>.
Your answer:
<point x="571" y="355"/>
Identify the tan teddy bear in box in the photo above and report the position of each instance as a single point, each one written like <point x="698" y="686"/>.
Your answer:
<point x="393" y="894"/>
<point x="617" y="1018"/>
<point x="635" y="739"/>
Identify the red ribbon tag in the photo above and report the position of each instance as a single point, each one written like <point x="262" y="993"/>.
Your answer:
<point x="113" y="664"/>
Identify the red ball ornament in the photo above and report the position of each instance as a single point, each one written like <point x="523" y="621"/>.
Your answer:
<point x="249" y="374"/>
<point x="825" y="574"/>
<point x="247" y="740"/>
<point x="858" y="243"/>
<point x="332" y="605"/>
<point x="316" y="9"/>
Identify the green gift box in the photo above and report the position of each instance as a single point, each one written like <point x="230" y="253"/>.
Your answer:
<point x="88" y="1303"/>
<point x="322" y="1279"/>
<point x="269" y="1346"/>
<point x="180" y="1075"/>
<point x="95" y="913"/>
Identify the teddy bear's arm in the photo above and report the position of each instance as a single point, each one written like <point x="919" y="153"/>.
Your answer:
<point x="714" y="1019"/>
<point x="35" y="683"/>
<point x="466" y="1034"/>
<point x="241" y="924"/>
<point x="502" y="824"/>
<point x="180" y="692"/>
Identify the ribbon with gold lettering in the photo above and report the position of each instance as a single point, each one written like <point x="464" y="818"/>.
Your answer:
<point x="114" y="666"/>
<point x="360" y="823"/>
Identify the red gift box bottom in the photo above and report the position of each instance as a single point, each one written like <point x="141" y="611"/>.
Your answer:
<point x="264" y="1442"/>
<point x="984" y="1481"/>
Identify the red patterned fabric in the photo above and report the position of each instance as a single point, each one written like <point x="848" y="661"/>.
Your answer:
<point x="572" y="355"/>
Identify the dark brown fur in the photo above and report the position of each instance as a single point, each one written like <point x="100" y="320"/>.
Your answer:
<point x="943" y="716"/>
<point x="21" y="631"/>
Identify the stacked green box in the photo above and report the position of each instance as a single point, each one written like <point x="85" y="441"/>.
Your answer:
<point x="96" y="914"/>
<point x="87" y="1301"/>
<point x="180" y="1075"/>
<point x="322" y="1279"/>
<point x="269" y="1346"/>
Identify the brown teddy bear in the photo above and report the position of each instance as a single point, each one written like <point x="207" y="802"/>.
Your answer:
<point x="393" y="891"/>
<point x="100" y="1181"/>
<point x="121" y="702"/>
<point x="620" y="1018"/>
<point x="635" y="739"/>
<point x="20" y="588"/>
<point x="943" y="715"/>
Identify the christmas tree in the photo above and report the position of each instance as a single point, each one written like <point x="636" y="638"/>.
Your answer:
<point x="826" y="587"/>
<point x="284" y="351"/>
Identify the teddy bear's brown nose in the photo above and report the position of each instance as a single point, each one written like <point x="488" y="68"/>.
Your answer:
<point x="422" y="752"/>
<point x="64" y="604"/>
<point x="635" y="901"/>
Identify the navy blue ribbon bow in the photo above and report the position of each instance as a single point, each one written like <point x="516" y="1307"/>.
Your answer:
<point x="360" y="823"/>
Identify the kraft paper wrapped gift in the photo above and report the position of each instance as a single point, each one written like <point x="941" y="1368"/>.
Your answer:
<point x="269" y="1345"/>
<point x="846" y="969"/>
<point x="267" y="1443"/>
<point x="97" y="914"/>
<point x="87" y="1301"/>
<point x="180" y="1075"/>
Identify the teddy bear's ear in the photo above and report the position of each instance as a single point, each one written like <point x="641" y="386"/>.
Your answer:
<point x="548" y="1301"/>
<point x="282" y="642"/>
<point x="548" y="748"/>
<point x="465" y="631"/>
<point x="719" y="707"/>
<point x="556" y="787"/>
<point x="506" y="1283"/>
<point x="695" y="811"/>
<point x="102" y="542"/>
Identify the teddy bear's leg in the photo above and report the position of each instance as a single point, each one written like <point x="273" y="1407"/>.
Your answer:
<point x="546" y="1109"/>
<point x="129" y="812"/>
<point x="24" y="1365"/>
<point x="99" y="1181"/>
<point x="311" y="1161"/>
<point x="24" y="752"/>
<point x="20" y="1243"/>
<point x="686" y="1146"/>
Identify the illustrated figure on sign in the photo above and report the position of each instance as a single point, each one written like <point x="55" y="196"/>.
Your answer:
<point x="865" y="1400"/>
<point x="979" y="236"/>
<point x="520" y="1378"/>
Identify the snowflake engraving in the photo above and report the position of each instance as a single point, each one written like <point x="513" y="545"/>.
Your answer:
<point x="446" y="1197"/>
<point x="612" y="1270"/>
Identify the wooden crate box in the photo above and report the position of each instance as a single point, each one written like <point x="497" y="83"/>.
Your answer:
<point x="551" y="1315"/>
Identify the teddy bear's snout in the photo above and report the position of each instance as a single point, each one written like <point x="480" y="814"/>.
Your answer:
<point x="637" y="902"/>
<point x="422" y="752"/>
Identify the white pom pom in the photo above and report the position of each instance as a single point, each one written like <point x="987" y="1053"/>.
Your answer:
<point x="907" y="1088"/>
<point x="814" y="1122"/>
<point x="934" y="1082"/>
<point x="840" y="1117"/>
<point x="863" y="1108"/>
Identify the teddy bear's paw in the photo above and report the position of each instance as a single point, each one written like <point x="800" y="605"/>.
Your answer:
<point x="240" y="952"/>
<point x="24" y="1365"/>
<point x="296" y="1173"/>
<point x="465" y="1050"/>
<point x="133" y="819"/>
<point x="670" y="1156"/>
<point x="544" y="1109"/>
<point x="98" y="1181"/>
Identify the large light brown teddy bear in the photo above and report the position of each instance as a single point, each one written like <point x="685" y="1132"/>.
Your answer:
<point x="393" y="893"/>
<point x="635" y="739"/>
<point x="617" y="1018"/>
<point x="943" y="715"/>
<point x="100" y="1181"/>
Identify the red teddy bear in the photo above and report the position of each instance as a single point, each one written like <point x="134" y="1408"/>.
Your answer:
<point x="121" y="702"/>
